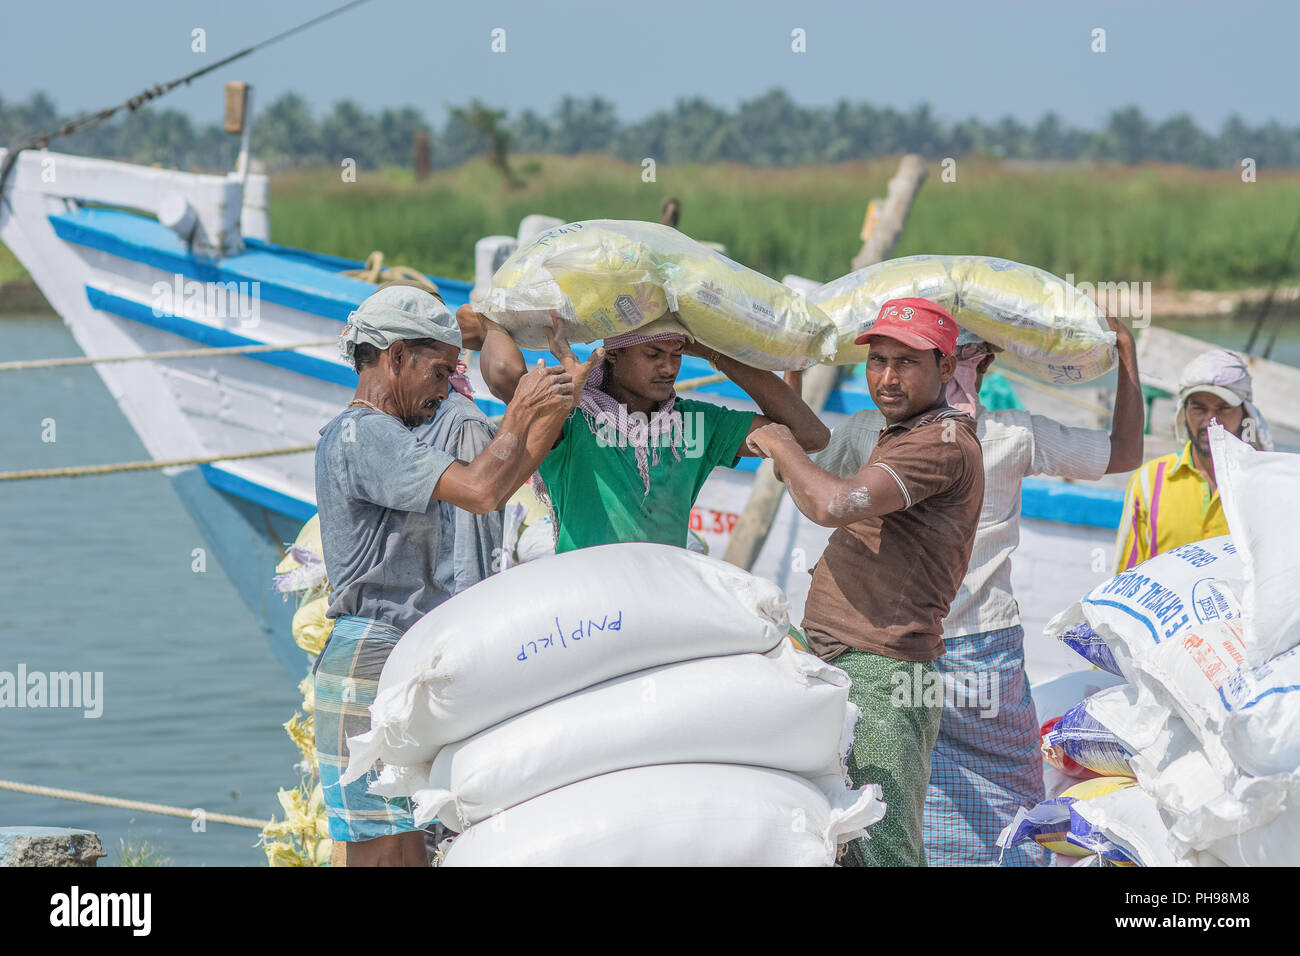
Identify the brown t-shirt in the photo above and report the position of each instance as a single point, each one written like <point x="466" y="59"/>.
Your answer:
<point x="884" y="584"/>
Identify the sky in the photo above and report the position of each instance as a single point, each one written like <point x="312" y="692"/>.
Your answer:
<point x="982" y="59"/>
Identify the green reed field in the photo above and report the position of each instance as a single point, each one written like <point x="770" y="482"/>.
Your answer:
<point x="1175" y="227"/>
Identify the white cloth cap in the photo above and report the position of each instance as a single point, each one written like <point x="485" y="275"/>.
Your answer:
<point x="398" y="312"/>
<point x="1226" y="374"/>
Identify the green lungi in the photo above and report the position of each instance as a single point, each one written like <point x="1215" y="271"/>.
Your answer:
<point x="901" y="703"/>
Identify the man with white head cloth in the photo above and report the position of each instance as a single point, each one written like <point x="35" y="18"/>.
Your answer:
<point x="1174" y="499"/>
<point x="378" y="490"/>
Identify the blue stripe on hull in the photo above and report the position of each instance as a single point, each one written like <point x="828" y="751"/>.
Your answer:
<point x="206" y="334"/>
<point x="295" y="279"/>
<point x="295" y="508"/>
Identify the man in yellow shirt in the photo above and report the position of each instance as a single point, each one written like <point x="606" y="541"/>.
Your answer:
<point x="1174" y="499"/>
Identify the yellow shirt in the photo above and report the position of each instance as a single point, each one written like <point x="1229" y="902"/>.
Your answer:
<point x="1169" y="503"/>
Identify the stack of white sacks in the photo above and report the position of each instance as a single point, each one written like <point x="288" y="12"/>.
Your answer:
<point x="632" y="704"/>
<point x="1206" y="637"/>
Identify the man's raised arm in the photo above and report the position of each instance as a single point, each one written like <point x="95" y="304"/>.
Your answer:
<point x="779" y="403"/>
<point x="821" y="497"/>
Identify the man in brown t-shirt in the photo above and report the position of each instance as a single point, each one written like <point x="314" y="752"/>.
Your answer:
<point x="905" y="527"/>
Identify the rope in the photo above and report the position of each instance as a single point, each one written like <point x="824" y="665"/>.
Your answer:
<point x="375" y="273"/>
<point x="151" y="356"/>
<point x="159" y="808"/>
<point x="42" y="140"/>
<point x="77" y="471"/>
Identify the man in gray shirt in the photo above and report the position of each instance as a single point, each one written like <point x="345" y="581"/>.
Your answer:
<point x="471" y="544"/>
<point x="379" y="491"/>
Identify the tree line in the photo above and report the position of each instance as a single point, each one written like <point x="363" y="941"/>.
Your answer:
<point x="767" y="131"/>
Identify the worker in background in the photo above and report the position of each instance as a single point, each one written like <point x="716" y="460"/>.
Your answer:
<point x="471" y="543"/>
<point x="470" y="546"/>
<point x="379" y="491"/>
<point x="905" y="523"/>
<point x="987" y="763"/>
<point x="1174" y="499"/>
<point x="633" y="456"/>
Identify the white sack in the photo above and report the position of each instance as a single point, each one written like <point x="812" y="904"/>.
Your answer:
<point x="1157" y="600"/>
<point x="1129" y="819"/>
<point x="675" y="815"/>
<point x="1260" y="492"/>
<point x="545" y="629"/>
<point x="1253" y="712"/>
<point x="786" y="710"/>
<point x="1255" y="823"/>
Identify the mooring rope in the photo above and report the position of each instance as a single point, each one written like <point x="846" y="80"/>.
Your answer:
<point x="139" y="805"/>
<point x="77" y="471"/>
<point x="42" y="140"/>
<point x="151" y="356"/>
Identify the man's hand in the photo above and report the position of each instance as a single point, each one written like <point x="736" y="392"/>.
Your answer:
<point x="544" y="389"/>
<point x="473" y="326"/>
<point x="1123" y="337"/>
<point x="580" y="371"/>
<point x="761" y="441"/>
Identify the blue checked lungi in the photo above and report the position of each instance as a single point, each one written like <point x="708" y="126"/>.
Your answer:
<point x="984" y="766"/>
<point x="347" y="678"/>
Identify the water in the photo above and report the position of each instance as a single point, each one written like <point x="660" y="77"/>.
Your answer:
<point x="95" y="575"/>
<point x="1233" y="332"/>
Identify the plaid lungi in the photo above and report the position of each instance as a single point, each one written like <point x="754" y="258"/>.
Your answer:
<point x="986" y="762"/>
<point x="347" y="678"/>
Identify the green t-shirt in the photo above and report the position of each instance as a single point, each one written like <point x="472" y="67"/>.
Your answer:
<point x="598" y="495"/>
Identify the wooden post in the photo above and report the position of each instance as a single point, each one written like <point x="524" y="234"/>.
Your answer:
<point x="422" y="157"/>
<point x="670" y="212"/>
<point x="751" y="531"/>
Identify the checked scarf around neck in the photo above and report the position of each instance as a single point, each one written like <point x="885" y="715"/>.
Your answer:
<point x="610" y="420"/>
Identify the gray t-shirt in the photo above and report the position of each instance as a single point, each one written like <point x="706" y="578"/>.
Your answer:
<point x="380" y="526"/>
<point x="470" y="552"/>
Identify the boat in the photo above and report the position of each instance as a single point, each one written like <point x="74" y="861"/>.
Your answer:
<point x="140" y="261"/>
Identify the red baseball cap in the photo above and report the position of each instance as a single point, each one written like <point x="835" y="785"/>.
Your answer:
<point x="917" y="323"/>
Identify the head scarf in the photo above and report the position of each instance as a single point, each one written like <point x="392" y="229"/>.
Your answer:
<point x="1226" y="374"/>
<point x="962" y="393"/>
<point x="398" y="312"/>
<point x="460" y="381"/>
<point x="665" y="327"/>
<point x="601" y="410"/>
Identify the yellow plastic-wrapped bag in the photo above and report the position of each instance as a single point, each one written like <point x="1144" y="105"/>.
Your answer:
<point x="302" y="574"/>
<point x="604" y="277"/>
<point x="1056" y="825"/>
<point x="1047" y="328"/>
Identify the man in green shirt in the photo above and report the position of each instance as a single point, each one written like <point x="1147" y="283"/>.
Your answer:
<point x="632" y="458"/>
